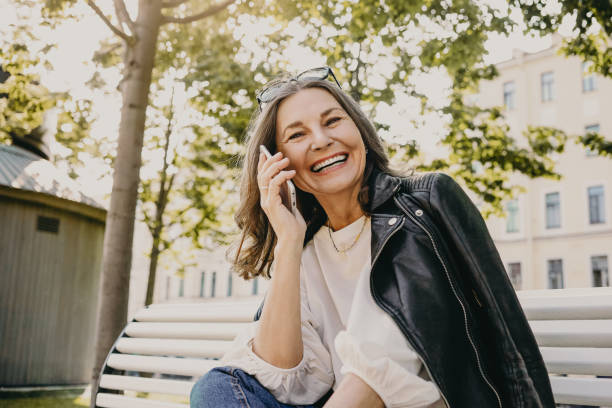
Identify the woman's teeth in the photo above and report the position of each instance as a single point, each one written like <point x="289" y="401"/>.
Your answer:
<point x="329" y="162"/>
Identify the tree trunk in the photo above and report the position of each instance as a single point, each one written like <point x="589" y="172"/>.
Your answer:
<point x="117" y="256"/>
<point x="160" y="208"/>
<point x="152" y="270"/>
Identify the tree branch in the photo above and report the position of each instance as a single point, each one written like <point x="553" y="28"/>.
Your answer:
<point x="110" y="25"/>
<point x="172" y="3"/>
<point x="124" y="16"/>
<point x="206" y="13"/>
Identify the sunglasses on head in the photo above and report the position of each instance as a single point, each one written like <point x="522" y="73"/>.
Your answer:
<point x="271" y="90"/>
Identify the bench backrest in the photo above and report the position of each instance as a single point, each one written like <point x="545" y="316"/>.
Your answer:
<point x="161" y="354"/>
<point x="573" y="328"/>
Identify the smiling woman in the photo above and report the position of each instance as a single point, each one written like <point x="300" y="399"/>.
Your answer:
<point x="385" y="290"/>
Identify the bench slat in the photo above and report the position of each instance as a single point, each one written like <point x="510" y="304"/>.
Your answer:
<point x="174" y="347"/>
<point x="582" y="391"/>
<point x="566" y="360"/>
<point x="104" y="400"/>
<point x="564" y="304"/>
<point x="246" y="301"/>
<point x="203" y="330"/>
<point x="162" y="365"/>
<point x="208" y="314"/>
<point x="142" y="384"/>
<point x="573" y="333"/>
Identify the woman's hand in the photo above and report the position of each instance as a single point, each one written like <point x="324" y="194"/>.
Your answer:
<point x="289" y="228"/>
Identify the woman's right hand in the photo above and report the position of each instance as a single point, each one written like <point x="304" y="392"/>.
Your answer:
<point x="290" y="228"/>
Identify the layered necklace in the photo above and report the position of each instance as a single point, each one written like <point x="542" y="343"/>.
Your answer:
<point x="344" y="249"/>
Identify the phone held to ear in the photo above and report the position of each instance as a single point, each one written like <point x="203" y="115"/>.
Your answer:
<point x="287" y="189"/>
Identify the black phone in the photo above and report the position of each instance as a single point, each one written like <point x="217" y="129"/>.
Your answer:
<point x="287" y="190"/>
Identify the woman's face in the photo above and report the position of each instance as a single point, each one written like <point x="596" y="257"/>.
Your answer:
<point x="322" y="142"/>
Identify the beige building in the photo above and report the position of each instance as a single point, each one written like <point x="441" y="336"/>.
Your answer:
<point x="559" y="233"/>
<point x="209" y="278"/>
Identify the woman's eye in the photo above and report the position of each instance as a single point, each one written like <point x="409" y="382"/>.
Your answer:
<point x="331" y="121"/>
<point x="295" y="135"/>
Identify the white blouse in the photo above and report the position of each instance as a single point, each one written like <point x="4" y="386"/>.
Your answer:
<point x="343" y="331"/>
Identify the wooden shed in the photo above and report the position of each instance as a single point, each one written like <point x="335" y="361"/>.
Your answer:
<point x="51" y="238"/>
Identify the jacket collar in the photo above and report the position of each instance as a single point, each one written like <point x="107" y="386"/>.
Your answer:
<point x="381" y="187"/>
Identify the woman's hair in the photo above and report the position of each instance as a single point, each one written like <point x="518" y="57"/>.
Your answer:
<point x="255" y="249"/>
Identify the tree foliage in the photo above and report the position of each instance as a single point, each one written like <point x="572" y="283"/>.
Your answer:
<point x="23" y="100"/>
<point x="26" y="103"/>
<point x="378" y="49"/>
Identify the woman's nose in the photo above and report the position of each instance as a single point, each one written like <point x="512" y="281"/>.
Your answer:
<point x="320" y="139"/>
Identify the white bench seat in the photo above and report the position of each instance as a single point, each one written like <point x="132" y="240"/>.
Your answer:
<point x="573" y="333"/>
<point x="143" y="384"/>
<point x="194" y="367"/>
<point x="174" y="347"/>
<point x="574" y="360"/>
<point x="573" y="328"/>
<point x="105" y="400"/>
<point x="582" y="391"/>
<point x="208" y="330"/>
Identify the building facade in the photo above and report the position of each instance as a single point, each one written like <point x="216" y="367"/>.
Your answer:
<point x="210" y="278"/>
<point x="51" y="241"/>
<point x="559" y="233"/>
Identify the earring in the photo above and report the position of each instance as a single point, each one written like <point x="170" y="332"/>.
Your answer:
<point x="366" y="150"/>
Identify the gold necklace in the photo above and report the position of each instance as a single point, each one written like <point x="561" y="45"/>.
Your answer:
<point x="343" y="251"/>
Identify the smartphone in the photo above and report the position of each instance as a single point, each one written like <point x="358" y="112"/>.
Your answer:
<point x="287" y="190"/>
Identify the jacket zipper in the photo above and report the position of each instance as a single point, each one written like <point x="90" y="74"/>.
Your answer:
<point x="465" y="319"/>
<point x="390" y="313"/>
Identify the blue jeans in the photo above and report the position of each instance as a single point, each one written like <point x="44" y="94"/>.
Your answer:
<point x="230" y="387"/>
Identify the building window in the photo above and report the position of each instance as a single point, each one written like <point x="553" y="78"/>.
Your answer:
<point x="514" y="273"/>
<point x="553" y="210"/>
<point x="167" y="287"/>
<point x="599" y="271"/>
<point x="548" y="91"/>
<point x="512" y="223"/>
<point x="213" y="284"/>
<point x="202" y="282"/>
<point x="596" y="205"/>
<point x="555" y="274"/>
<point x="255" y="285"/>
<point x="229" y="284"/>
<point x="588" y="78"/>
<point x="181" y="287"/>
<point x="591" y="129"/>
<point x="509" y="91"/>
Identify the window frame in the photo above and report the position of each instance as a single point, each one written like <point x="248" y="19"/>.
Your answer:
<point x="202" y="284"/>
<point x="548" y="271"/>
<point x="592" y="269"/>
<point x="517" y="220"/>
<point x="588" y="78"/>
<point x="560" y="217"/>
<point x="590" y="129"/>
<point x="520" y="273"/>
<point x="548" y="85"/>
<point x="602" y="206"/>
<point x="509" y="94"/>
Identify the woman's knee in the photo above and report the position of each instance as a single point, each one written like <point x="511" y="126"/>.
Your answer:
<point x="212" y="388"/>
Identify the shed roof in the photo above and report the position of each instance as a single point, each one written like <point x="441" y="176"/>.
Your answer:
<point x="20" y="169"/>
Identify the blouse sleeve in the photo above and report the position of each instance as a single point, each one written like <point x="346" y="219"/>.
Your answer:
<point x="303" y="384"/>
<point x="393" y="375"/>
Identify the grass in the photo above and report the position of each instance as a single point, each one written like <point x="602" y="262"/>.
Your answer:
<point x="44" y="402"/>
<point x="70" y="399"/>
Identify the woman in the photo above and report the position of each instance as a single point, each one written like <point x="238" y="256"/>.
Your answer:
<point x="385" y="290"/>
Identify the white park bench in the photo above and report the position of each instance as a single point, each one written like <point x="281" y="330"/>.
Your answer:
<point x="161" y="354"/>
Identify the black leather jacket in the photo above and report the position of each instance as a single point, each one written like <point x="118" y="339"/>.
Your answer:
<point x="437" y="273"/>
